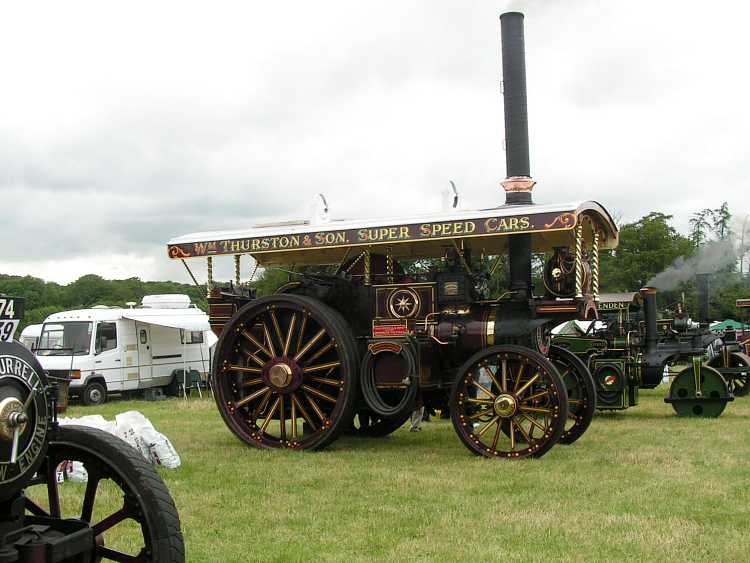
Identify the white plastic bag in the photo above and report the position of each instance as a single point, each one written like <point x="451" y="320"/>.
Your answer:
<point x="130" y="426"/>
<point x="160" y="449"/>
<point x="133" y="428"/>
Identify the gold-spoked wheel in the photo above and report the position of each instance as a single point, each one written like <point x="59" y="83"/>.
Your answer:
<point x="285" y="373"/>
<point x="509" y="402"/>
<point x="581" y="390"/>
<point x="739" y="384"/>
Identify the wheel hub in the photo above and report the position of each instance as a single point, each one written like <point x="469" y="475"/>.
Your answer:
<point x="505" y="405"/>
<point x="280" y="375"/>
<point x="12" y="416"/>
<point x="283" y="375"/>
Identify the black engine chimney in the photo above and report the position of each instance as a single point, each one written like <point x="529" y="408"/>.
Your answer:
<point x="518" y="183"/>
<point x="652" y="366"/>
<point x="649" y="313"/>
<point x="514" y="98"/>
<point x="703" y="285"/>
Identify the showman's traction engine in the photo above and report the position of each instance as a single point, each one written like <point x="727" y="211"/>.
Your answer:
<point x="361" y="335"/>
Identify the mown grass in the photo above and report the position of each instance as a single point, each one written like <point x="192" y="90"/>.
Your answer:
<point x="640" y="485"/>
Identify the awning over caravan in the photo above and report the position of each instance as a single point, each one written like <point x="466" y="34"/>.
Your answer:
<point x="196" y="323"/>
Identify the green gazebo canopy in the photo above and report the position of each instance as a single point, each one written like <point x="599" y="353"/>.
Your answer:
<point x="729" y="323"/>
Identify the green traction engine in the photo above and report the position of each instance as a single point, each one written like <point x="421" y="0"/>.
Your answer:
<point x="625" y="353"/>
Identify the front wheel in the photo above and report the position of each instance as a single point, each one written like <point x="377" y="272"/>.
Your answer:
<point x="509" y="402"/>
<point x="95" y="393"/>
<point x="707" y="397"/>
<point x="581" y="392"/>
<point x="124" y="501"/>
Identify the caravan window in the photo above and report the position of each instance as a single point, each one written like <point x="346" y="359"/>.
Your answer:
<point x="191" y="336"/>
<point x="106" y="337"/>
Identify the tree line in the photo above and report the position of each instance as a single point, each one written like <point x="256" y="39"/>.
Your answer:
<point x="45" y="298"/>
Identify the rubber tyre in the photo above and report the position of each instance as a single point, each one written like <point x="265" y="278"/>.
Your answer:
<point x="583" y="390"/>
<point x="370" y="394"/>
<point x="380" y="428"/>
<point x="173" y="388"/>
<point x="134" y="476"/>
<point x="11" y="387"/>
<point x="95" y="393"/>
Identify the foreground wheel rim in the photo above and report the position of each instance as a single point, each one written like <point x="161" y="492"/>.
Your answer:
<point x="509" y="403"/>
<point x="284" y="373"/>
<point x="129" y="523"/>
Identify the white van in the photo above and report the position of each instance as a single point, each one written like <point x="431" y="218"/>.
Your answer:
<point x="30" y="336"/>
<point x="116" y="350"/>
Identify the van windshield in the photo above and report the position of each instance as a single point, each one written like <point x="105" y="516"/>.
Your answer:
<point x="62" y="339"/>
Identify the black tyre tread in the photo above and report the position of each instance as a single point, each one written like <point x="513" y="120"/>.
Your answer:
<point x="85" y="394"/>
<point x="347" y="334"/>
<point x="169" y="546"/>
<point x="558" y="353"/>
<point x="172" y="389"/>
<point x="382" y="428"/>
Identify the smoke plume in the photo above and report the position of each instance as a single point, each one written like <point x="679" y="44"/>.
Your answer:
<point x="710" y="257"/>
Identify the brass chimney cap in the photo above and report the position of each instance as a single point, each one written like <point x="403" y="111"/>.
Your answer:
<point x="515" y="184"/>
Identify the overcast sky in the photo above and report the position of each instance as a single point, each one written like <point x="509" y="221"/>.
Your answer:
<point x="125" y="124"/>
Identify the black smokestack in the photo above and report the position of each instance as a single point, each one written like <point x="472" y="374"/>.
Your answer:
<point x="703" y="284"/>
<point x="516" y="116"/>
<point x="649" y="312"/>
<point x="518" y="184"/>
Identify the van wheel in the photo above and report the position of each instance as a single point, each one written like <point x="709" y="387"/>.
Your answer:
<point x="173" y="388"/>
<point x="94" y="394"/>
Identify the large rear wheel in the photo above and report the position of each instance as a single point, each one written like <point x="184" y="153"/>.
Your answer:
<point x="509" y="402"/>
<point x="739" y="384"/>
<point x="285" y="374"/>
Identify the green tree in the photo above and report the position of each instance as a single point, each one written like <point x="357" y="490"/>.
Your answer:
<point x="45" y="298"/>
<point x="720" y="218"/>
<point x="700" y="223"/>
<point x="646" y="247"/>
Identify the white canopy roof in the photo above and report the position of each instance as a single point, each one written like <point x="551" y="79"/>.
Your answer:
<point x="301" y="242"/>
<point x="192" y="322"/>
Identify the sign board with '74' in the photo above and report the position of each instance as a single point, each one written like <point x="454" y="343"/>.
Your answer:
<point x="11" y="313"/>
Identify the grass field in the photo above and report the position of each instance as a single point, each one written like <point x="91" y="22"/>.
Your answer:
<point x="640" y="485"/>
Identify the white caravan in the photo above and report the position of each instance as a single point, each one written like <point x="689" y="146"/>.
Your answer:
<point x="30" y="336"/>
<point x="116" y="350"/>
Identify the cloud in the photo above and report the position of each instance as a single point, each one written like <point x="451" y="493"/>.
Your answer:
<point x="125" y="126"/>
